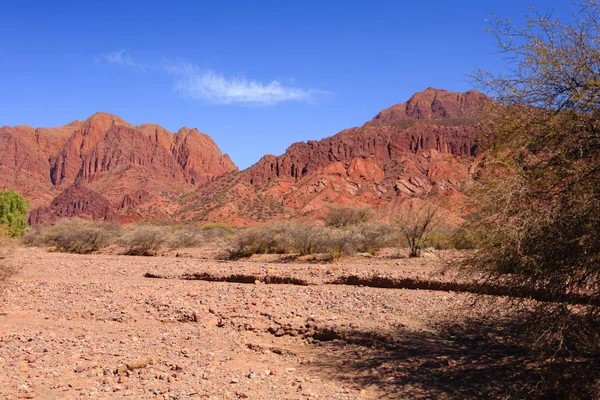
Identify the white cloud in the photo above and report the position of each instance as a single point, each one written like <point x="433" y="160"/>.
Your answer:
<point x="121" y="58"/>
<point x="216" y="88"/>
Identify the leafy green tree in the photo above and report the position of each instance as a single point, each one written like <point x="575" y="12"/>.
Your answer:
<point x="13" y="212"/>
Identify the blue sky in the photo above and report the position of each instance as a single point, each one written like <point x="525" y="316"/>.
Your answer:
<point x="255" y="75"/>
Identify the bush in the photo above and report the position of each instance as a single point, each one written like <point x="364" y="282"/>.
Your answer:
<point x="370" y="238"/>
<point x="73" y="236"/>
<point x="13" y="212"/>
<point x="184" y="237"/>
<point x="216" y="231"/>
<point x="337" y="242"/>
<point x="306" y="238"/>
<point x="343" y="217"/>
<point x="245" y="243"/>
<point x="7" y="268"/>
<point x="538" y="196"/>
<point x="144" y="240"/>
<point x="417" y="224"/>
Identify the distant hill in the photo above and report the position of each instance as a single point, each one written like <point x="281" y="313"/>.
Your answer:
<point x="105" y="168"/>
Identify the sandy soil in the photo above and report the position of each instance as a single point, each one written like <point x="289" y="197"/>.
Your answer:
<point x="74" y="326"/>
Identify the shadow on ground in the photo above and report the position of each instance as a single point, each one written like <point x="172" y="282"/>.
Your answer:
<point x="472" y="360"/>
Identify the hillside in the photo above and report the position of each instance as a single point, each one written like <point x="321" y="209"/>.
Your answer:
<point x="425" y="147"/>
<point x="106" y="168"/>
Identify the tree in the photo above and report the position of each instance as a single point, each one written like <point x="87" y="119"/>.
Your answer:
<point x="13" y="212"/>
<point x="416" y="225"/>
<point x="538" y="197"/>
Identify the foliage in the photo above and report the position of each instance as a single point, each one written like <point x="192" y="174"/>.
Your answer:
<point x="144" y="240"/>
<point x="343" y="217"/>
<point x="184" y="237"/>
<point x="538" y="198"/>
<point x="73" y="236"/>
<point x="303" y="238"/>
<point x="13" y="212"/>
<point x="371" y="237"/>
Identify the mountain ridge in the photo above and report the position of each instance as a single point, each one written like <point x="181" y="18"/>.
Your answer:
<point x="105" y="168"/>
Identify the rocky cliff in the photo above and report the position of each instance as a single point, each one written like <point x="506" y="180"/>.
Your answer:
<point x="423" y="148"/>
<point x="104" y="167"/>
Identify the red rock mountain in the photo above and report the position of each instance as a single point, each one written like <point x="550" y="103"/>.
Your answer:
<point x="422" y="148"/>
<point x="105" y="168"/>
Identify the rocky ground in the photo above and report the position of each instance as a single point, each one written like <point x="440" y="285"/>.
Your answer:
<point x="112" y="326"/>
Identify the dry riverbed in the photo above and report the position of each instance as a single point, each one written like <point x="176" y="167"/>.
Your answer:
<point x="111" y="326"/>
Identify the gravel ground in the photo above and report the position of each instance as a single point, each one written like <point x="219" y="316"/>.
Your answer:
<point x="74" y="326"/>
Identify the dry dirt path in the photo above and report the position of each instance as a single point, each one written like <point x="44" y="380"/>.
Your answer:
<point x="76" y="326"/>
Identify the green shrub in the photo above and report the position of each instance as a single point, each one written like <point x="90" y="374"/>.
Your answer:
<point x="13" y="212"/>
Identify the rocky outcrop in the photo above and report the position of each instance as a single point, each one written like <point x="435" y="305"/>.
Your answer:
<point x="421" y="148"/>
<point x="106" y="168"/>
<point x="199" y="157"/>
<point x="431" y="120"/>
<point x="435" y="104"/>
<point x="107" y="157"/>
<point x="76" y="201"/>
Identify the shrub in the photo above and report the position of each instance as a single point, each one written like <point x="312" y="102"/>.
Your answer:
<point x="305" y="238"/>
<point x="338" y="242"/>
<point x="370" y="238"/>
<point x="216" y="231"/>
<point x="7" y="268"/>
<point x="73" y="235"/>
<point x="13" y="212"/>
<point x="538" y="196"/>
<point x="342" y="217"/>
<point x="246" y="242"/>
<point x="184" y="237"/>
<point x="144" y="240"/>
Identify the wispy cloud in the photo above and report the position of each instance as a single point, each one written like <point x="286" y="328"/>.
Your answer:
<point x="213" y="87"/>
<point x="216" y="88"/>
<point x="121" y="58"/>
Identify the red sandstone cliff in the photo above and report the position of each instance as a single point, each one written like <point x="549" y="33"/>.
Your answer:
<point x="417" y="149"/>
<point x="104" y="168"/>
<point x="99" y="168"/>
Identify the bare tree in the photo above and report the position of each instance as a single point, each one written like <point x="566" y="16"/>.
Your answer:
<point x="538" y="197"/>
<point x="416" y="225"/>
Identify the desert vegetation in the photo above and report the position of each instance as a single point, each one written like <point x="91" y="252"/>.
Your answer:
<point x="538" y="196"/>
<point x="13" y="213"/>
<point x="84" y="236"/>
<point x="7" y="266"/>
<point x="348" y="232"/>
